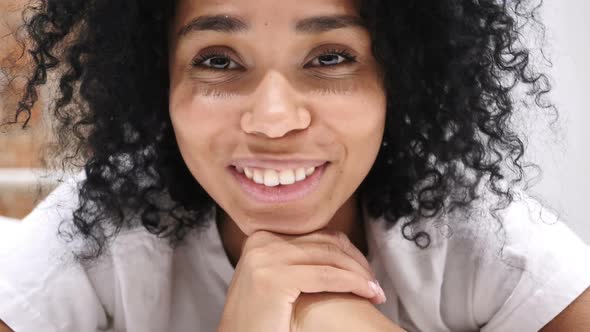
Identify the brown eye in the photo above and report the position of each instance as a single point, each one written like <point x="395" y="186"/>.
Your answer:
<point x="215" y="62"/>
<point x="332" y="58"/>
<point x="218" y="63"/>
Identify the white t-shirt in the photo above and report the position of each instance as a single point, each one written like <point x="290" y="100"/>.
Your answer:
<point x="458" y="284"/>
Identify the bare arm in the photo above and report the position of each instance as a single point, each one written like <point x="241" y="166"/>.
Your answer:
<point x="338" y="312"/>
<point x="4" y="328"/>
<point x="576" y="317"/>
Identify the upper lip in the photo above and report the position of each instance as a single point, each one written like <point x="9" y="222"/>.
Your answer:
<point x="277" y="164"/>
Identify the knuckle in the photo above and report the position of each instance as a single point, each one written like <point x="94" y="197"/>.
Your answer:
<point x="257" y="239"/>
<point x="253" y="257"/>
<point x="248" y="244"/>
<point x="325" y="274"/>
<point x="331" y="249"/>
<point x="260" y="235"/>
<point x="342" y="240"/>
<point x="338" y="237"/>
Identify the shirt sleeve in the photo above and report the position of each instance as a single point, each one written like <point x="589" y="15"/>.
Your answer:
<point x="540" y="268"/>
<point x="42" y="288"/>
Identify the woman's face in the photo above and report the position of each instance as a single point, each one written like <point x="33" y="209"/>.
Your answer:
<point x="277" y="106"/>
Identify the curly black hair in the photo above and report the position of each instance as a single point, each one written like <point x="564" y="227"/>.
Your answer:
<point x="449" y="66"/>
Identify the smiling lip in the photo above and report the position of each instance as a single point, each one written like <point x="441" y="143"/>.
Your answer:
<point x="277" y="164"/>
<point x="280" y="193"/>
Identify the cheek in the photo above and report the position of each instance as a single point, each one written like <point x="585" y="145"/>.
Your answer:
<point x="358" y="119"/>
<point x="203" y="127"/>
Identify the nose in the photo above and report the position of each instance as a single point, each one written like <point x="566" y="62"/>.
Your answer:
<point x="276" y="110"/>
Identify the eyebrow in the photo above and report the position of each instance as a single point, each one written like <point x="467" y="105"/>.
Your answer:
<point x="219" y="23"/>
<point x="233" y="24"/>
<point x="319" y="24"/>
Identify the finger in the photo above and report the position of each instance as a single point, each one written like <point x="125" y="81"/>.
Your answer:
<point x="339" y="239"/>
<point x="318" y="278"/>
<point x="322" y="253"/>
<point x="261" y="239"/>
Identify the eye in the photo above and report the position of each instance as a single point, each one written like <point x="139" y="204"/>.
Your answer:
<point x="332" y="58"/>
<point x="215" y="61"/>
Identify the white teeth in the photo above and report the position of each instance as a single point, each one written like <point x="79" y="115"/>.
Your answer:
<point x="258" y="176"/>
<point x="271" y="178"/>
<point x="248" y="173"/>
<point x="287" y="176"/>
<point x="299" y="174"/>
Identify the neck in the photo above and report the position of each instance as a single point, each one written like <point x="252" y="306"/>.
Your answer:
<point x="348" y="219"/>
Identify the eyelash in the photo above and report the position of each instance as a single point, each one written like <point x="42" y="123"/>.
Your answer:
<point x="198" y="62"/>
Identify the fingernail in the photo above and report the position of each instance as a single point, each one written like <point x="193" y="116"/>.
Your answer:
<point x="375" y="288"/>
<point x="382" y="293"/>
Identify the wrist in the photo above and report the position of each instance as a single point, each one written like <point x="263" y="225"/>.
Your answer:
<point x="338" y="312"/>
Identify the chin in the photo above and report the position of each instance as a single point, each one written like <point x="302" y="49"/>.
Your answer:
<point x="291" y="225"/>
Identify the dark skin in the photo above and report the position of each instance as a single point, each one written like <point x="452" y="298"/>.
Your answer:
<point x="233" y="238"/>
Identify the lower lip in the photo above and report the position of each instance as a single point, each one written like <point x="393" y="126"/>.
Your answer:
<point x="280" y="193"/>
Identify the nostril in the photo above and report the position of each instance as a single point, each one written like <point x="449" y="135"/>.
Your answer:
<point x="245" y="122"/>
<point x="275" y="125"/>
<point x="304" y="117"/>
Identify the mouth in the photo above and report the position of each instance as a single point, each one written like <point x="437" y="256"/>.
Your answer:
<point x="274" y="186"/>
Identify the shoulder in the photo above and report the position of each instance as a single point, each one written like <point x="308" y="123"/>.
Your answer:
<point x="486" y="268"/>
<point x="527" y="265"/>
<point x="518" y="234"/>
<point x="38" y="231"/>
<point x="44" y="288"/>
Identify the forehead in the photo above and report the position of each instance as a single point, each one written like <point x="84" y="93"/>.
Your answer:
<point x="272" y="12"/>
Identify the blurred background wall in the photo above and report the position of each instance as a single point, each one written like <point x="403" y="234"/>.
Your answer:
<point x="19" y="150"/>
<point x="563" y="155"/>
